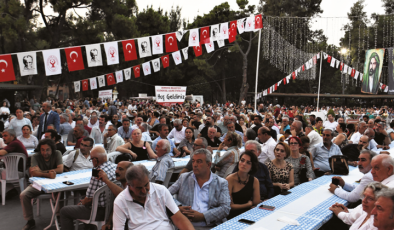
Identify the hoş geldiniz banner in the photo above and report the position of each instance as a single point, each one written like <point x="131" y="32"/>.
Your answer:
<point x="372" y="71"/>
<point x="105" y="94"/>
<point x="170" y="95"/>
<point x="391" y="69"/>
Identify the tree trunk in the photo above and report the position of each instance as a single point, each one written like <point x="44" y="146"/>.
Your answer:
<point x="245" y="85"/>
<point x="224" y="93"/>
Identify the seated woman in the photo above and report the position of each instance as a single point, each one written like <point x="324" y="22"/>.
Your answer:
<point x="301" y="164"/>
<point x="360" y="217"/>
<point x="223" y="161"/>
<point x="244" y="188"/>
<point x="341" y="140"/>
<point x="350" y="131"/>
<point x="281" y="172"/>
<point x="28" y="140"/>
<point x="304" y="149"/>
<point x="186" y="145"/>
<point x="138" y="149"/>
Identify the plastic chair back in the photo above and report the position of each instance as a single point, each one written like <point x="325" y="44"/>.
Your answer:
<point x="64" y="138"/>
<point x="11" y="161"/>
<point x="112" y="156"/>
<point x="168" y="177"/>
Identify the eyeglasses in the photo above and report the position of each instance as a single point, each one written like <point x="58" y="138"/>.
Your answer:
<point x="91" y="159"/>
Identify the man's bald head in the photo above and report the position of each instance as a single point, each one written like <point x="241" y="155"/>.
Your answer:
<point x="99" y="153"/>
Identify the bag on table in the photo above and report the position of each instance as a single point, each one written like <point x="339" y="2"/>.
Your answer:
<point x="338" y="165"/>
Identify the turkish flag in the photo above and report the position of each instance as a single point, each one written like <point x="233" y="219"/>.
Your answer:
<point x="258" y="22"/>
<point x="137" y="71"/>
<point x="197" y="50"/>
<point x="383" y="86"/>
<point x="6" y="68"/>
<point x="165" y="60"/>
<point x="276" y="86"/>
<point x="315" y="59"/>
<point x="268" y="90"/>
<point x="293" y="74"/>
<point x="85" y="85"/>
<point x="110" y="79"/>
<point x="232" y="32"/>
<point x="341" y="66"/>
<point x="284" y="81"/>
<point x="329" y="59"/>
<point x="171" y="43"/>
<point x="74" y="59"/>
<point x="204" y="35"/>
<point x="353" y="72"/>
<point x="303" y="67"/>
<point x="129" y="50"/>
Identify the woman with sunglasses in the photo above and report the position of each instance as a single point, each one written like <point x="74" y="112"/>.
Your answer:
<point x="301" y="163"/>
<point x="360" y="217"/>
<point x="244" y="188"/>
<point x="223" y="161"/>
<point x="281" y="171"/>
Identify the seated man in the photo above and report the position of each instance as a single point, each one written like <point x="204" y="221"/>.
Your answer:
<point x="250" y="135"/>
<point x="209" y="123"/>
<point x="362" y="126"/>
<point x="83" y="210"/>
<point x="319" y="126"/>
<point x="350" y="191"/>
<point x="352" y="151"/>
<point x="46" y="162"/>
<point x="145" y="132"/>
<point x="125" y="131"/>
<point x="383" y="210"/>
<point x="262" y="174"/>
<point x="64" y="127"/>
<point x="381" y="136"/>
<point x="178" y="132"/>
<point x="285" y="125"/>
<point x="79" y="159"/>
<point x="296" y="129"/>
<point x="13" y="144"/>
<point x="371" y="135"/>
<point x="314" y="137"/>
<point x="199" y="143"/>
<point x="212" y="139"/>
<point x="323" y="151"/>
<point x="231" y="128"/>
<point x="53" y="135"/>
<point x="112" y="140"/>
<point x="163" y="131"/>
<point x="383" y="169"/>
<point x="267" y="145"/>
<point x="203" y="210"/>
<point x="145" y="205"/>
<point x="78" y="133"/>
<point x="99" y="131"/>
<point x="163" y="162"/>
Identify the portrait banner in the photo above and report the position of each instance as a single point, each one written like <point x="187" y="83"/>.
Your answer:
<point x="77" y="86"/>
<point x="127" y="74"/>
<point x="372" y="71"/>
<point x="101" y="80"/>
<point x="27" y="63"/>
<point x="391" y="74"/>
<point x="93" y="55"/>
<point x="144" y="47"/>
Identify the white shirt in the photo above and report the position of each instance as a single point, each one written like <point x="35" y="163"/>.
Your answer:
<point x="351" y="192"/>
<point x="314" y="138"/>
<point x="113" y="142"/>
<point x="330" y="125"/>
<point x="72" y="124"/>
<point x="389" y="181"/>
<point x="97" y="135"/>
<point x="267" y="150"/>
<point x="29" y="143"/>
<point x="177" y="135"/>
<point x="80" y="163"/>
<point x="94" y="125"/>
<point x="4" y="110"/>
<point x="356" y="217"/>
<point x="356" y="138"/>
<point x="152" y="216"/>
<point x="201" y="198"/>
<point x="276" y="129"/>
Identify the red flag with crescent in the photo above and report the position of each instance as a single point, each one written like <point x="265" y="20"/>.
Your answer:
<point x="74" y="59"/>
<point x="258" y="22"/>
<point x="284" y="81"/>
<point x="129" y="50"/>
<point x="341" y="66"/>
<point x="329" y="59"/>
<point x="6" y="68"/>
<point x="232" y="32"/>
<point x="165" y="60"/>
<point x="137" y="71"/>
<point x="205" y="35"/>
<point x="85" y="85"/>
<point x="293" y="74"/>
<point x="197" y="50"/>
<point x="171" y="43"/>
<point x="110" y="79"/>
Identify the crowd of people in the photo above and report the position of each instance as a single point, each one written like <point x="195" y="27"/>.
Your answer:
<point x="238" y="158"/>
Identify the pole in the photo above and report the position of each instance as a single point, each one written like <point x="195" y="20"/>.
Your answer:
<point x="257" y="72"/>
<point x="318" y="90"/>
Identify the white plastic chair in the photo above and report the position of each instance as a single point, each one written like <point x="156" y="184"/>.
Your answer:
<point x="112" y="156"/>
<point x="64" y="138"/>
<point x="12" y="175"/>
<point x="169" y="173"/>
<point x="109" y="201"/>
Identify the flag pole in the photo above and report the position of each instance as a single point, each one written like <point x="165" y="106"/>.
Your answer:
<point x="318" y="91"/>
<point x="257" y="72"/>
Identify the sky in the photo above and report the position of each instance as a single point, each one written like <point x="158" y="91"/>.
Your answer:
<point x="332" y="19"/>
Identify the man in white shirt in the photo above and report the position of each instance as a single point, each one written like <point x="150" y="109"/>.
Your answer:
<point x="112" y="140"/>
<point x="314" y="137"/>
<point x="178" y="132"/>
<point x="145" y="133"/>
<point x="383" y="210"/>
<point x="350" y="191"/>
<point x="79" y="159"/>
<point x="138" y="122"/>
<point x="93" y="122"/>
<point x="362" y="126"/>
<point x="144" y="205"/>
<point x="98" y="132"/>
<point x="382" y="169"/>
<point x="267" y="145"/>
<point x="331" y="123"/>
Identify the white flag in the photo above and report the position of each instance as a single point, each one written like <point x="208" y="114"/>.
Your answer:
<point x="101" y="81"/>
<point x="146" y="68"/>
<point x="220" y="43"/>
<point x="179" y="34"/>
<point x="241" y="25"/>
<point x="215" y="35"/>
<point x="337" y="62"/>
<point x="310" y="63"/>
<point x="356" y="75"/>
<point x="307" y="65"/>
<point x="349" y="70"/>
<point x="157" y="42"/>
<point x="93" y="83"/>
<point x="27" y="63"/>
<point x="325" y="56"/>
<point x="144" y="47"/>
<point x="185" y="53"/>
<point x="77" y="86"/>
<point x="210" y="47"/>
<point x="386" y="89"/>
<point x="127" y="74"/>
<point x="111" y="49"/>
<point x="224" y="30"/>
<point x="156" y="64"/>
<point x="177" y="57"/>
<point x="333" y="60"/>
<point x="318" y="55"/>
<point x="194" y="39"/>
<point x="52" y="62"/>
<point x="279" y="82"/>
<point x="119" y="76"/>
<point x="93" y="55"/>
<point x="345" y="68"/>
<point x="288" y="79"/>
<point x="249" y="25"/>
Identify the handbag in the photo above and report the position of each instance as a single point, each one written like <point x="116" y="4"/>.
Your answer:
<point x="338" y="165"/>
<point x="302" y="172"/>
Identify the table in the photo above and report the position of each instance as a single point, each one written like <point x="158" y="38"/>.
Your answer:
<point x="81" y="180"/>
<point x="308" y="204"/>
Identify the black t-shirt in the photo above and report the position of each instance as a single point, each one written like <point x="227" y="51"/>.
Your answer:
<point x="60" y="147"/>
<point x="256" y="128"/>
<point x="379" y="138"/>
<point x="204" y="131"/>
<point x="214" y="143"/>
<point x="273" y="134"/>
<point x="196" y="124"/>
<point x="238" y="128"/>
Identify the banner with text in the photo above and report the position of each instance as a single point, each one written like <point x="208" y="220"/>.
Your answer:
<point x="170" y="95"/>
<point x="105" y="94"/>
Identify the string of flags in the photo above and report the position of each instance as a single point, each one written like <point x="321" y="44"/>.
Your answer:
<point x="132" y="50"/>
<point x="334" y="63"/>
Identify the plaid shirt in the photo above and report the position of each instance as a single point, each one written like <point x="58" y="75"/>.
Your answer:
<point x="95" y="184"/>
